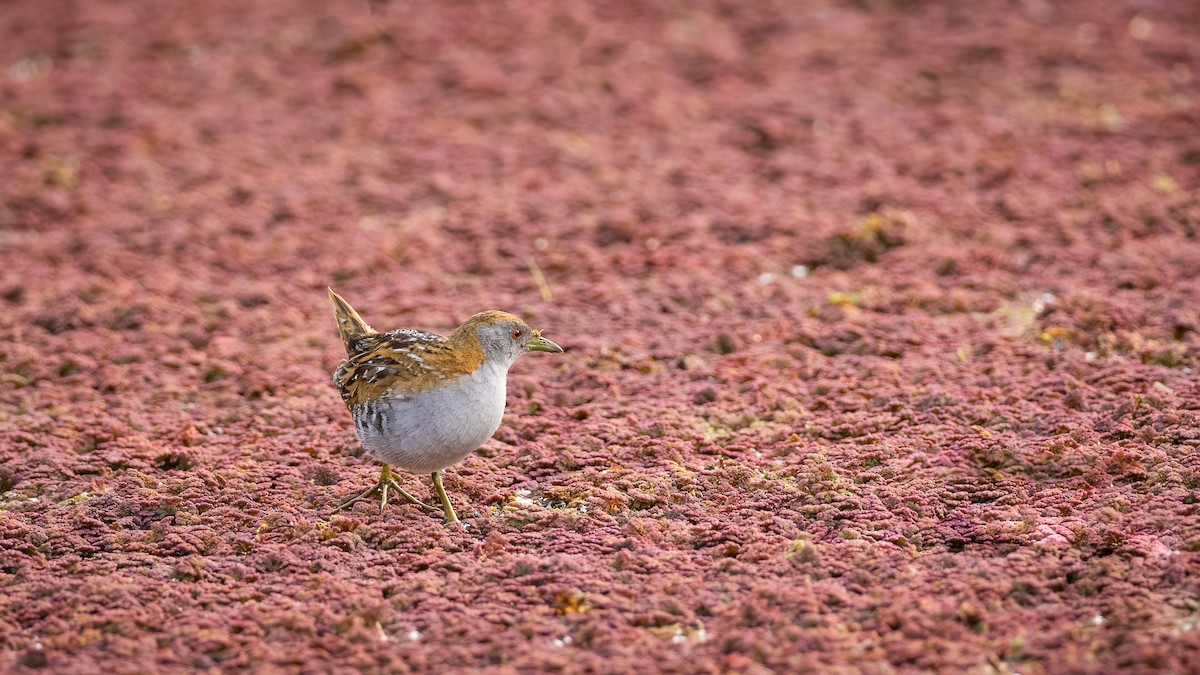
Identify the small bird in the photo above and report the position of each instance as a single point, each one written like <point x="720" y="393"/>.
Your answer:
<point x="422" y="401"/>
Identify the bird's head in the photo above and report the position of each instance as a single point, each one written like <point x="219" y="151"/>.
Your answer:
<point x="504" y="337"/>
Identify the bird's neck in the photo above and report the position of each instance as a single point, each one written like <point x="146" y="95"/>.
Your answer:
<point x="465" y="348"/>
<point x="491" y="372"/>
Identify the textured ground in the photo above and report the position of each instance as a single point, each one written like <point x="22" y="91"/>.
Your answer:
<point x="881" y="321"/>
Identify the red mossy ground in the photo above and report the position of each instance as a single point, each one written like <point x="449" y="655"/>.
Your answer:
<point x="881" y="322"/>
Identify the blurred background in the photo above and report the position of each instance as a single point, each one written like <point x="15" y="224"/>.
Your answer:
<point x="860" y="298"/>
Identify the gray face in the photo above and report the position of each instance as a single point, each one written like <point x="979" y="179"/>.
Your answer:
<point x="503" y="342"/>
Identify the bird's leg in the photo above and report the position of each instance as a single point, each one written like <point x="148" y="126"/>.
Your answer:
<point x="391" y="482"/>
<point x="386" y="482"/>
<point x="451" y="517"/>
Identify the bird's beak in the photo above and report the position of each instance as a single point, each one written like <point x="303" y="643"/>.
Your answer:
<point x="540" y="344"/>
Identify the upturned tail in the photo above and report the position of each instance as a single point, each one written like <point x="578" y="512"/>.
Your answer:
<point x="350" y="324"/>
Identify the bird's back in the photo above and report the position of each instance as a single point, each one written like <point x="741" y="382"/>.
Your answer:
<point x="396" y="361"/>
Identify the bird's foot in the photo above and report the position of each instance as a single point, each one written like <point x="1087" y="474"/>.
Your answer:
<point x="385" y="484"/>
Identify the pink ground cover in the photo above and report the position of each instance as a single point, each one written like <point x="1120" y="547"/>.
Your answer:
<point x="881" y="323"/>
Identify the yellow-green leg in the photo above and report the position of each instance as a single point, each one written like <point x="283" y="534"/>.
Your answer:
<point x="451" y="517"/>
<point x="386" y="482"/>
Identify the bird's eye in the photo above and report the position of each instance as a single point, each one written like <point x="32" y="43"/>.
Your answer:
<point x="516" y="334"/>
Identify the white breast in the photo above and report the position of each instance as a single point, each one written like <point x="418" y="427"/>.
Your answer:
<point x="437" y="427"/>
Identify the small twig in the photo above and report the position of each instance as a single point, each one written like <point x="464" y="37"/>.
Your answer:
<point x="539" y="278"/>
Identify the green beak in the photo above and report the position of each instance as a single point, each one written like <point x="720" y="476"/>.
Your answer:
<point x="540" y="344"/>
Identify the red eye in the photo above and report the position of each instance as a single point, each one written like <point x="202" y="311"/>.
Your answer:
<point x="516" y="334"/>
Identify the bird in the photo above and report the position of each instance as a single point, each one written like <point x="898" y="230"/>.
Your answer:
<point x="422" y="401"/>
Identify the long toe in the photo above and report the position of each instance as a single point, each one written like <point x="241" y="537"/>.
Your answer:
<point x="353" y="500"/>
<point x="411" y="499"/>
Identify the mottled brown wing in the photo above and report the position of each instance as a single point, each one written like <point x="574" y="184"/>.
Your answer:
<point x="398" y="362"/>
